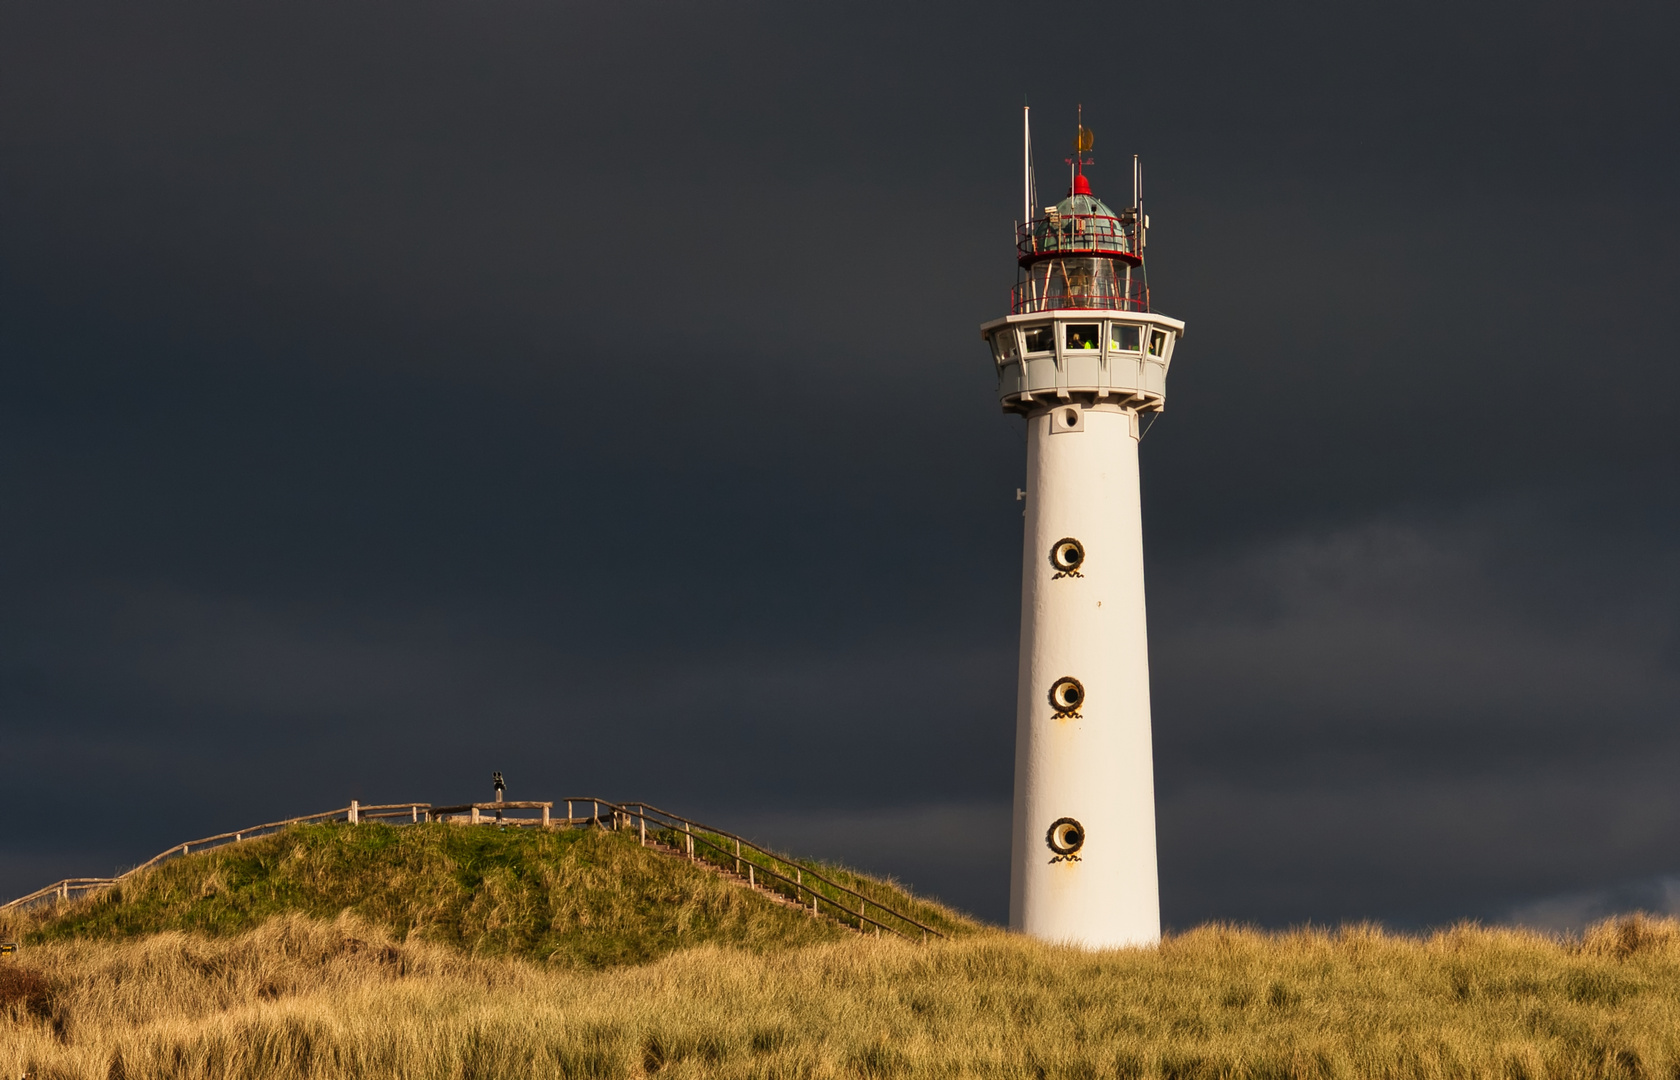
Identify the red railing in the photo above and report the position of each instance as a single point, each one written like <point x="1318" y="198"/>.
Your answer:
<point x="1114" y="295"/>
<point x="1074" y="234"/>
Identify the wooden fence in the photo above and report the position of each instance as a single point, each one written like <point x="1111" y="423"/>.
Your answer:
<point x="355" y="812"/>
<point x="766" y="869"/>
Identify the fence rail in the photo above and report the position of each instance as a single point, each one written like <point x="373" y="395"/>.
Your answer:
<point x="795" y="881"/>
<point x="62" y="890"/>
<point x="792" y="875"/>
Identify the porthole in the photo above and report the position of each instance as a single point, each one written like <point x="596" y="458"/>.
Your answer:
<point x="1065" y="836"/>
<point x="1067" y="418"/>
<point x="1067" y="555"/>
<point x="1066" y="696"/>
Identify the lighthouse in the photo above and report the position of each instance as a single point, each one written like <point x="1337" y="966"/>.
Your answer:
<point x="1082" y="358"/>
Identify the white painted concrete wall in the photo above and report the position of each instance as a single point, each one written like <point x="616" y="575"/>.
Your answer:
<point x="1097" y="767"/>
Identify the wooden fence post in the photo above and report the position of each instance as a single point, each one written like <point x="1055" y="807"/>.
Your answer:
<point x="737" y="855"/>
<point x="355" y="812"/>
<point x="688" y="840"/>
<point x="642" y="817"/>
<point x="545" y="817"/>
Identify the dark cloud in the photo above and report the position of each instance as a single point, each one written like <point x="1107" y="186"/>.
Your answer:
<point x="392" y="394"/>
<point x="1394" y="708"/>
<point x="1575" y="911"/>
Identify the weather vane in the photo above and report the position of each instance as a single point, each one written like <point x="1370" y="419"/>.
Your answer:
<point x="1083" y="140"/>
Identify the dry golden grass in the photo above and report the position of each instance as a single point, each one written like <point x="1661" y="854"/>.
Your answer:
<point x="303" y="997"/>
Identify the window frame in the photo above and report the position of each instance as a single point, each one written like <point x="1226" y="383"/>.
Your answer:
<point x="1137" y="331"/>
<point x="1027" y="331"/>
<point x="1067" y="331"/>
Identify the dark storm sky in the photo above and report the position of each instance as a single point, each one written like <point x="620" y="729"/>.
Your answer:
<point x="392" y="393"/>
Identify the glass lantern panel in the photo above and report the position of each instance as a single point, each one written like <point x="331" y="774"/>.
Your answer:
<point x="1157" y="343"/>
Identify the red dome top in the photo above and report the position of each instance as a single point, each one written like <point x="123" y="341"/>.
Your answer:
<point x="1081" y="186"/>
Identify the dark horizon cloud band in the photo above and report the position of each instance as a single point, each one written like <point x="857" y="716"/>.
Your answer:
<point x="393" y="394"/>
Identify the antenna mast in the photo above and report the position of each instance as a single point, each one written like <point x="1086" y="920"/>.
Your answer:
<point x="1029" y="194"/>
<point x="1137" y="204"/>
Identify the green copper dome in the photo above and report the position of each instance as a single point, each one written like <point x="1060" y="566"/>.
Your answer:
<point x="1081" y="224"/>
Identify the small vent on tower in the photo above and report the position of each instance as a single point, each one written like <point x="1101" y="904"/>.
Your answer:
<point x="1066" y="837"/>
<point x="1066" y="418"/>
<point x="1067" y="555"/>
<point x="1066" y="695"/>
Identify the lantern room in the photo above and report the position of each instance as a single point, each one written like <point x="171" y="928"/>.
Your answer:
<point x="1081" y="255"/>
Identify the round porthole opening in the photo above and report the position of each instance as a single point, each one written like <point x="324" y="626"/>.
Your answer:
<point x="1069" y="417"/>
<point x="1067" y="555"/>
<point x="1066" y="836"/>
<point x="1066" y="695"/>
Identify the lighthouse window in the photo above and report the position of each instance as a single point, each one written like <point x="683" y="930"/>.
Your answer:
<point x="1084" y="336"/>
<point x="1040" y="339"/>
<point x="1157" y="343"/>
<point x="1003" y="345"/>
<point x="1123" y="338"/>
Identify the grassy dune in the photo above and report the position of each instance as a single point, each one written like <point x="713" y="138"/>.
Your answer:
<point x="582" y="898"/>
<point x="302" y="997"/>
<point x="436" y="951"/>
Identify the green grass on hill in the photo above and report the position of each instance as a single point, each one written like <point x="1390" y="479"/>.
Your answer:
<point x="883" y="891"/>
<point x="587" y="898"/>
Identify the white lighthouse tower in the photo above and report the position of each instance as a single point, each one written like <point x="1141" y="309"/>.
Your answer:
<point x="1082" y="357"/>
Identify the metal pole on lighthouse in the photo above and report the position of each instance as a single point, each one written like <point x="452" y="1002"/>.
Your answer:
<point x="1028" y="195"/>
<point x="1079" y="358"/>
